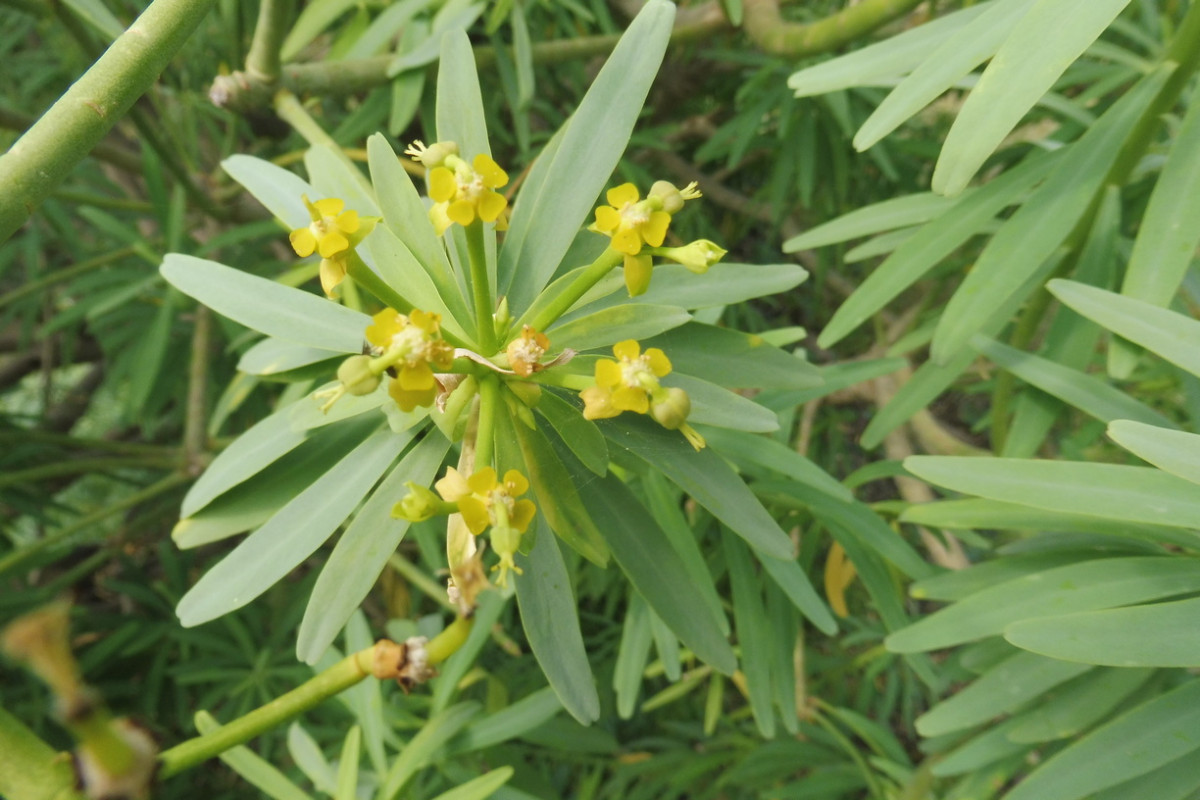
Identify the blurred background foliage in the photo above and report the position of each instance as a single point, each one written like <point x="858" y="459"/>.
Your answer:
<point x="115" y="391"/>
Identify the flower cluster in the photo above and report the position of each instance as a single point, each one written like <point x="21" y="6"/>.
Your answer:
<point x="526" y="351"/>
<point x="630" y="383"/>
<point x="633" y="224"/>
<point x="411" y="347"/>
<point x="333" y="234"/>
<point x="461" y="191"/>
<point x="484" y="502"/>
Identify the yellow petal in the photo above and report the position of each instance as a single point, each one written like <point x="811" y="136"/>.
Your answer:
<point x="607" y="219"/>
<point x="628" y="349"/>
<point x="303" y="242"/>
<point x="453" y="487"/>
<point x="627" y="241"/>
<point x="428" y="321"/>
<point x="332" y="243"/>
<point x="385" y="324"/>
<point x="597" y="403"/>
<point x="442" y="185"/>
<point x="620" y="195"/>
<point x="348" y="222"/>
<point x="522" y="514"/>
<point x="655" y="229"/>
<point x="416" y="378"/>
<point x="408" y="400"/>
<point x="474" y="513"/>
<point x="483" y="481"/>
<point x="437" y="215"/>
<point x="329" y="207"/>
<point x="627" y="398"/>
<point x="608" y="373"/>
<point x="659" y="363"/>
<point x="490" y="206"/>
<point x="515" y="483"/>
<point x="490" y="171"/>
<point x="333" y="272"/>
<point x="462" y="212"/>
<point x="637" y="274"/>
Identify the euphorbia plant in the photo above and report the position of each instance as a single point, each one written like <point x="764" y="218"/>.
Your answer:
<point x="530" y="359"/>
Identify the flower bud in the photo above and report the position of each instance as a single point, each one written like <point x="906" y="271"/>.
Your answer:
<point x="434" y="155"/>
<point x="419" y="504"/>
<point x="697" y="256"/>
<point x="356" y="375"/>
<point x="672" y="198"/>
<point x="671" y="408"/>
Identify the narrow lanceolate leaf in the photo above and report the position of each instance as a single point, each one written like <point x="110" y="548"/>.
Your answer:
<point x="1156" y="635"/>
<point x="479" y="788"/>
<point x="1165" y="333"/>
<point x="1002" y="688"/>
<point x="958" y="55"/>
<point x="750" y="617"/>
<point x="1150" y="736"/>
<point x="724" y="284"/>
<point x="293" y="534"/>
<point x="252" y="767"/>
<point x="545" y="220"/>
<point x="551" y="623"/>
<point x="1168" y="236"/>
<point x="1044" y="222"/>
<point x="276" y="188"/>
<point x="1043" y="44"/>
<point x="615" y="324"/>
<point x="1136" y="494"/>
<point x="1078" y="705"/>
<point x="1174" y="451"/>
<point x="655" y="570"/>
<point x="266" y="306"/>
<point x="364" y="548"/>
<point x="731" y="358"/>
<point x="1098" y="584"/>
<point x="887" y="59"/>
<point x="1089" y="394"/>
<point x="422" y="747"/>
<point x="273" y="356"/>
<point x="888" y="215"/>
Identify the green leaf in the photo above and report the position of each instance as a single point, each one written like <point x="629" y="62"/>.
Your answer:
<point x="632" y="654"/>
<point x="655" y="569"/>
<point x="616" y="323"/>
<point x="767" y="453"/>
<point x="363" y="550"/>
<point x="307" y="754"/>
<point x="834" y="378"/>
<point x="891" y="57"/>
<point x="1044" y="221"/>
<point x="716" y="405"/>
<point x="959" y="584"/>
<point x="556" y="201"/>
<point x="1174" y="451"/>
<point x="460" y="114"/>
<point x="510" y="722"/>
<point x="313" y="20"/>
<point x="266" y="306"/>
<point x="292" y="535"/>
<point x="250" y="453"/>
<point x="1167" y="238"/>
<point x="1157" y="635"/>
<point x="580" y="435"/>
<point x="1043" y="44"/>
<point x="551" y="624"/>
<point x="252" y="767"/>
<point x="347" y="777"/>
<point x="956" y="57"/>
<point x="724" y="284"/>
<point x="750" y="617"/>
<point x="1177" y="780"/>
<point x="479" y="788"/>
<point x="96" y="14"/>
<point x="987" y="748"/>
<point x="734" y="359"/>
<point x="403" y="272"/>
<point x="1135" y="494"/>
<point x="451" y="673"/>
<point x="704" y="476"/>
<point x="925" y="249"/>
<point x="1003" y="688"/>
<point x="278" y="189"/>
<point x="887" y="215"/>
<point x="1150" y="736"/>
<point x="794" y="583"/>
<point x="974" y="514"/>
<point x="1162" y="332"/>
<point x="273" y="356"/>
<point x="333" y="174"/>
<point x="1090" y="395"/>
<point x="422" y="747"/>
<point x="1078" y="705"/>
<point x="1097" y="584"/>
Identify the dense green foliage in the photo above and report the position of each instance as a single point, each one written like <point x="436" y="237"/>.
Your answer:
<point x="940" y="541"/>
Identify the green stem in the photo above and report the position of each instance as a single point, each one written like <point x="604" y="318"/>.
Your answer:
<point x="341" y="676"/>
<point x="560" y="305"/>
<point x="481" y="289"/>
<point x="19" y="557"/>
<point x="414" y="575"/>
<point x="100" y="201"/>
<point x="291" y="111"/>
<point x="48" y="151"/>
<point x="78" y="465"/>
<point x="485" y="438"/>
<point x="448" y="642"/>
<point x="772" y="34"/>
<point x="196" y="416"/>
<point x="263" y="60"/>
<point x="81" y="443"/>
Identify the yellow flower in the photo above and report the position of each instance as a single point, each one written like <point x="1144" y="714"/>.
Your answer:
<point x="627" y="383"/>
<point x="330" y="230"/>
<point x="526" y="351"/>
<point x="633" y="223"/>
<point x="483" y="501"/>
<point x="411" y="348"/>
<point x="461" y="191"/>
